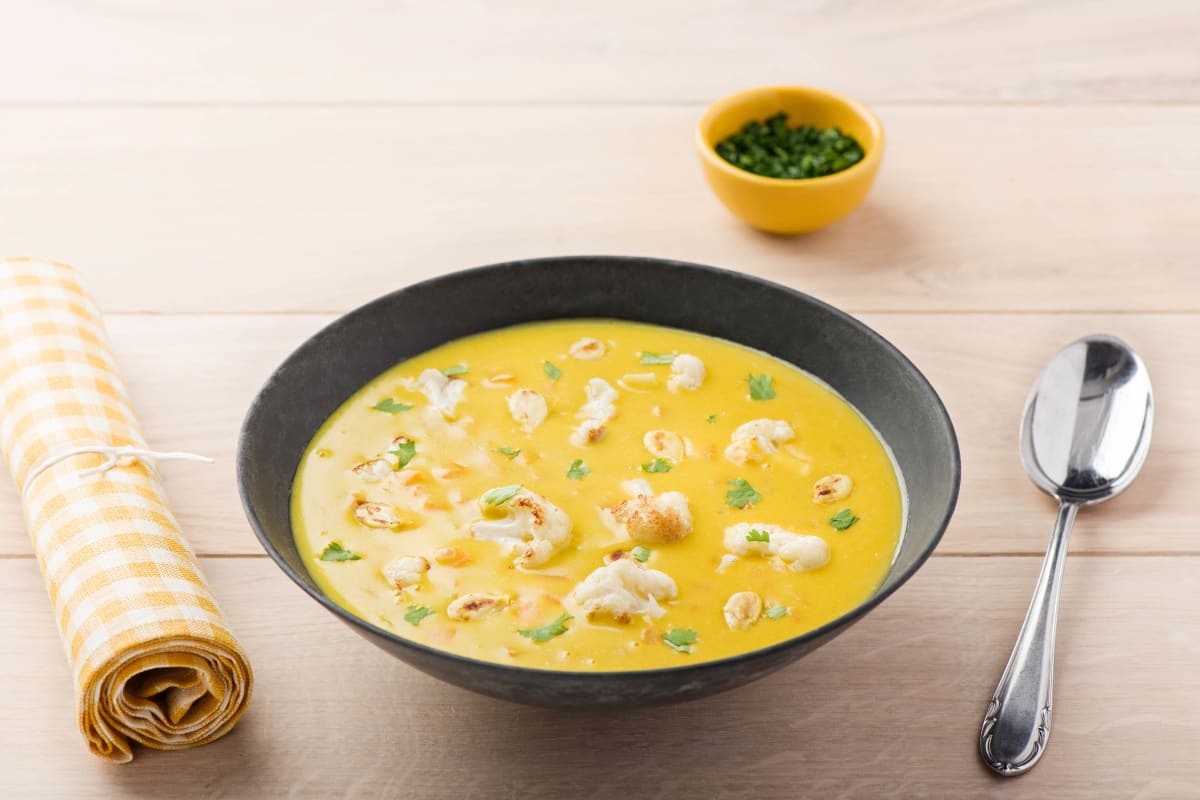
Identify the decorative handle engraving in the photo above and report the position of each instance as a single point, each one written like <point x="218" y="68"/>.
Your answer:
<point x="1017" y="723"/>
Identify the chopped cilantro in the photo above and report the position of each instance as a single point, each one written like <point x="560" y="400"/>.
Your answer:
<point x="776" y="612"/>
<point x="712" y="419"/>
<point x="758" y="536"/>
<point x="547" y="632"/>
<point x="335" y="552"/>
<point x="843" y="519"/>
<point x="391" y="406"/>
<point x="760" y="387"/>
<point x="404" y="452"/>
<point x="553" y="372"/>
<point x="501" y="494"/>
<point x="578" y="470"/>
<point x="681" y="639"/>
<point x="657" y="358"/>
<point x="657" y="465"/>
<point x="509" y="452"/>
<point x="742" y="494"/>
<point x="457" y="369"/>
<point x="640" y="553"/>
<point x="417" y="613"/>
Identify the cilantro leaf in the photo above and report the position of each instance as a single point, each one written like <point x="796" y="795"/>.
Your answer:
<point x="457" y="369"/>
<point x="578" y="470"/>
<point x="501" y="494"/>
<point x="553" y="372"/>
<point x="742" y="494"/>
<point x="776" y="612"/>
<point x="843" y="519"/>
<point x="391" y="406"/>
<point x="335" y="552"/>
<point x="640" y="553"/>
<point x="548" y="631"/>
<point x="681" y="639"/>
<point x="712" y="419"/>
<point x="758" y="536"/>
<point x="657" y="358"/>
<point x="509" y="452"/>
<point x="417" y="613"/>
<point x="404" y="452"/>
<point x="761" y="387"/>
<point x="657" y="465"/>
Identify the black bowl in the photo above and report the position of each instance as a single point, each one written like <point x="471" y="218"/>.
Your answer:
<point x="868" y="371"/>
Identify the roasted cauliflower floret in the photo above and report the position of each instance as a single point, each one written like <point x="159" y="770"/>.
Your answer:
<point x="755" y="440"/>
<point x="687" y="372"/>
<point x="665" y="444"/>
<point x="623" y="590"/>
<point x="476" y="605"/>
<point x="832" y="488"/>
<point x="443" y="392"/>
<point x="528" y="409"/>
<point x="405" y="571"/>
<point x="799" y="551"/>
<point x="534" y="527"/>
<point x="374" y="470"/>
<point x="651" y="519"/>
<point x="742" y="610"/>
<point x="587" y="349"/>
<point x="379" y="515"/>
<point x="599" y="408"/>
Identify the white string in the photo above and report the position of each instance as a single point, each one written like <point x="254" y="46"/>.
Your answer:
<point x="113" y="458"/>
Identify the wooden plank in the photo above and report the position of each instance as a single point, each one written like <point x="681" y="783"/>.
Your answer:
<point x="997" y="50"/>
<point x="889" y="709"/>
<point x="314" y="210"/>
<point x="192" y="378"/>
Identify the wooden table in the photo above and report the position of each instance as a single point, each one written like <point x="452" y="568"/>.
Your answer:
<point x="231" y="176"/>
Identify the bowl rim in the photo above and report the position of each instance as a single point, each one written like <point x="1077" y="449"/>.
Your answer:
<point x="871" y="158"/>
<point x="242" y="467"/>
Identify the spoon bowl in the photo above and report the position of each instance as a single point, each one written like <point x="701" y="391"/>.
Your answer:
<point x="1084" y="438"/>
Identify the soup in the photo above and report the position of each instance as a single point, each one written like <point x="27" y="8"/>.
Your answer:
<point x="597" y="495"/>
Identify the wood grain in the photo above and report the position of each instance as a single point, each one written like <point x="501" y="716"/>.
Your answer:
<point x="984" y="209"/>
<point x="192" y="377"/>
<point x="890" y="709"/>
<point x="622" y="51"/>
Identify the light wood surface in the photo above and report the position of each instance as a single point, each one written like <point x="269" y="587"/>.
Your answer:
<point x="230" y="177"/>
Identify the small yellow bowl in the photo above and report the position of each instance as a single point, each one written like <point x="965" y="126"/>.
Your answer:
<point x="787" y="206"/>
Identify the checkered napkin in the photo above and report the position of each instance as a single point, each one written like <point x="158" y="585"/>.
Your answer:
<point x="153" y="660"/>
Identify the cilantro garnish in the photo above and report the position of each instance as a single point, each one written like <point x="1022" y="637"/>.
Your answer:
<point x="742" y="494"/>
<point x="776" y="612"/>
<point x="843" y="519"/>
<point x="548" y="631"/>
<point x="640" y="553"/>
<point x="681" y="639"/>
<point x="657" y="465"/>
<point x="390" y="406"/>
<point x="552" y="372"/>
<point x="457" y="369"/>
<point x="509" y="452"/>
<point x="417" y="613"/>
<point x="501" y="494"/>
<point x="761" y="387"/>
<point x="404" y="452"/>
<point x="657" y="358"/>
<point x="758" y="536"/>
<point x="335" y="552"/>
<point x="578" y="470"/>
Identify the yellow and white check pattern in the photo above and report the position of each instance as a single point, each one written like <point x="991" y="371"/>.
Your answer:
<point x="154" y="661"/>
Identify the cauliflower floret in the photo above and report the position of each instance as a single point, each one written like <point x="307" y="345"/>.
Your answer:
<point x="374" y="470"/>
<point x="598" y="409"/>
<point x="665" y="444"/>
<point x="378" y="515"/>
<point x="534" y="527"/>
<point x="528" y="408"/>
<point x="799" y="551"/>
<point x="622" y="590"/>
<point x="443" y="392"/>
<point x="476" y="605"/>
<point x="754" y="440"/>
<point x="687" y="372"/>
<point x="637" y="486"/>
<point x="832" y="488"/>
<point x="587" y="349"/>
<point x="742" y="610"/>
<point x="405" y="571"/>
<point x="654" y="520"/>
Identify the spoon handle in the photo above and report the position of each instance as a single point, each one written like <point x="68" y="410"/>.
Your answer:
<point x="1017" y="723"/>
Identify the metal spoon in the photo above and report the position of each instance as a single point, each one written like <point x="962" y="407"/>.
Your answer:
<point x="1084" y="437"/>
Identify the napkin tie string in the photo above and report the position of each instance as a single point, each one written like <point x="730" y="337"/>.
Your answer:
<point x="113" y="456"/>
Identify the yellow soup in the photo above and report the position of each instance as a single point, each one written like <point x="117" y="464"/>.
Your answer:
<point x="597" y="495"/>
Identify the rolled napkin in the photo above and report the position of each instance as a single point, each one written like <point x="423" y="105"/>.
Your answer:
<point x="153" y="660"/>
